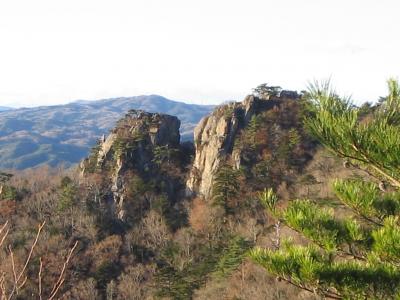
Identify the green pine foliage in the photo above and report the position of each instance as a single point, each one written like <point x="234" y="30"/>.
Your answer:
<point x="252" y="129"/>
<point x="266" y="91"/>
<point x="225" y="186"/>
<point x="374" y="143"/>
<point x="355" y="255"/>
<point x="164" y="154"/>
<point x="216" y="262"/>
<point x="9" y="193"/>
<point x="125" y="145"/>
<point x="181" y="284"/>
<point x="232" y="257"/>
<point x="274" y="146"/>
<point x="68" y="195"/>
<point x="91" y="162"/>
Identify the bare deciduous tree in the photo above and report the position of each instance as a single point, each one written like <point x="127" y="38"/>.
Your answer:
<point x="12" y="282"/>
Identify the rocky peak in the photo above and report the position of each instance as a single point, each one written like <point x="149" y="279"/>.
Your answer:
<point x="138" y="130"/>
<point x="130" y="146"/>
<point x="161" y="129"/>
<point x="214" y="138"/>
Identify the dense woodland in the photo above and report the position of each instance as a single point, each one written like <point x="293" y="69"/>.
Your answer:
<point x="62" y="239"/>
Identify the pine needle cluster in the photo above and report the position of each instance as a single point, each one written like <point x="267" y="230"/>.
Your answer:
<point x="357" y="256"/>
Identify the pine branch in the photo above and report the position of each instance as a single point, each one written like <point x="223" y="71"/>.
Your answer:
<point x="330" y="295"/>
<point x="359" y="213"/>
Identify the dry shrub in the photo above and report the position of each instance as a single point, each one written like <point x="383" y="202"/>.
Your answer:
<point x="22" y="269"/>
<point x="199" y="217"/>
<point x="7" y="209"/>
<point x="85" y="289"/>
<point x="249" y="282"/>
<point x="134" y="283"/>
<point x="49" y="249"/>
<point x="107" y="251"/>
<point x="249" y="229"/>
<point x="85" y="225"/>
<point x="186" y="240"/>
<point x="152" y="232"/>
<point x="283" y="191"/>
<point x="44" y="177"/>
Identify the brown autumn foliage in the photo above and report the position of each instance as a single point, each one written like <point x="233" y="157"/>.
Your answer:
<point x="106" y="251"/>
<point x="7" y="209"/>
<point x="150" y="255"/>
<point x="135" y="282"/>
<point x="16" y="278"/>
<point x="199" y="217"/>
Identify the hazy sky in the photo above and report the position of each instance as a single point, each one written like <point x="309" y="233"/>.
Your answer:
<point x="208" y="51"/>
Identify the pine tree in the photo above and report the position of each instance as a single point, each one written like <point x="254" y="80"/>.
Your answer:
<point x="68" y="195"/>
<point x="225" y="186"/>
<point x="232" y="257"/>
<point x="355" y="257"/>
<point x="163" y="154"/>
<point x="7" y="192"/>
<point x="265" y="91"/>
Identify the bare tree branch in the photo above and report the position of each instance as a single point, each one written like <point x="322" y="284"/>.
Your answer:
<point x="40" y="278"/>
<point x="61" y="280"/>
<point x="15" y="288"/>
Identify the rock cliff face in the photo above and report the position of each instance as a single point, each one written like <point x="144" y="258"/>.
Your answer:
<point x="130" y="147"/>
<point x="214" y="139"/>
<point x="141" y="140"/>
<point x="140" y="130"/>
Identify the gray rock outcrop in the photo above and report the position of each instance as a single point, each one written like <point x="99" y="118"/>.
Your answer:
<point x="130" y="147"/>
<point x="214" y="139"/>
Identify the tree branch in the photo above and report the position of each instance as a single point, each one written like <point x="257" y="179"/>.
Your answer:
<point x="60" y="280"/>
<point x="40" y="278"/>
<point x="13" y="267"/>
<point x="330" y="295"/>
<point x="15" y="288"/>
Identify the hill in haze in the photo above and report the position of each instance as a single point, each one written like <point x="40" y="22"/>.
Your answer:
<point x="53" y="135"/>
<point x="4" y="108"/>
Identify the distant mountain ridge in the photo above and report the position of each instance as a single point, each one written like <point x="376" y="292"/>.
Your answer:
<point x="4" y="108"/>
<point x="58" y="134"/>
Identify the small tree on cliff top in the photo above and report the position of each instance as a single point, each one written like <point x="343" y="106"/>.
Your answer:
<point x="357" y="257"/>
<point x="266" y="91"/>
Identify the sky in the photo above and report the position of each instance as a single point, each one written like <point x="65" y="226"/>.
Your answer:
<point x="204" y="52"/>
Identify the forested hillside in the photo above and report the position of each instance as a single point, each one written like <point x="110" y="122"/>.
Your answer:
<point x="149" y="216"/>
